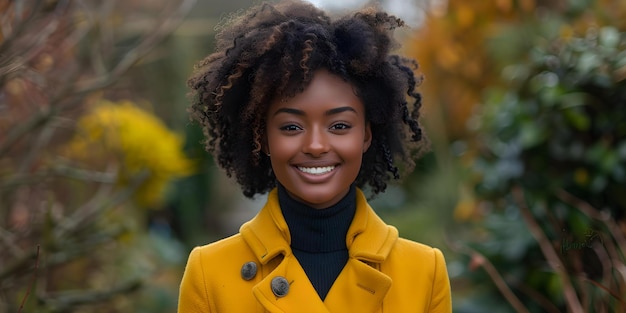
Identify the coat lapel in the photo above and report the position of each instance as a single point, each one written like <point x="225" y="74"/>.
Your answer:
<point x="358" y="286"/>
<point x="267" y="233"/>
<point x="369" y="238"/>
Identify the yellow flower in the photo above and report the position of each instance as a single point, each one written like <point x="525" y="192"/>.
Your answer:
<point x="138" y="141"/>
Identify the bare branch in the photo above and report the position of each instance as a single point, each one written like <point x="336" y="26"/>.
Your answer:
<point x="18" y="265"/>
<point x="19" y="28"/>
<point x="9" y="240"/>
<point x="61" y="302"/>
<point x="607" y="290"/>
<point x="84" y="175"/>
<point x="38" y="119"/>
<point x="540" y="298"/>
<point x="32" y="282"/>
<point x="164" y="28"/>
<point x="596" y="214"/>
<point x="24" y="179"/>
<point x="571" y="298"/>
<point x="96" y="206"/>
<point x="79" y="219"/>
<point x="480" y="260"/>
<point x="70" y="96"/>
<point x="79" y="247"/>
<point x="42" y="140"/>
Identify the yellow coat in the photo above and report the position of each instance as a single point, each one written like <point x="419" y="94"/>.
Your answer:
<point x="384" y="273"/>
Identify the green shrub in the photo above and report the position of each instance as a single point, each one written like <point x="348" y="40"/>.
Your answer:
<point x="551" y="177"/>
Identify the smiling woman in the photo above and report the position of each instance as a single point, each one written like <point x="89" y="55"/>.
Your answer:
<point x="311" y="110"/>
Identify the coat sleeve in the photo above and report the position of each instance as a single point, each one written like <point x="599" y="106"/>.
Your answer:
<point x="441" y="301"/>
<point x="193" y="296"/>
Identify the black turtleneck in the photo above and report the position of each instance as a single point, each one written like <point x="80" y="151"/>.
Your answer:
<point x="318" y="237"/>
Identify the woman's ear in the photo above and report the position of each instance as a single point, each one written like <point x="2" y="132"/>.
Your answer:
<point x="367" y="138"/>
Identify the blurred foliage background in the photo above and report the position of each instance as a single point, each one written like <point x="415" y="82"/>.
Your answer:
<point x="105" y="187"/>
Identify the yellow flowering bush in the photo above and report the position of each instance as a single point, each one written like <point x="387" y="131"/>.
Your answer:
<point x="137" y="141"/>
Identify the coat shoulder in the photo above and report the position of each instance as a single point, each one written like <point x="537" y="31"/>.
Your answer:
<point x="416" y="248"/>
<point x="417" y="256"/>
<point x="231" y="248"/>
<point x="420" y="278"/>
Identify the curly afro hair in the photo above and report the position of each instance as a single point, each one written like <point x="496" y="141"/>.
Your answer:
<point x="272" y="51"/>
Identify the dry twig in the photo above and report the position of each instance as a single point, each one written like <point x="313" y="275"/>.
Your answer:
<point x="479" y="259"/>
<point x="32" y="282"/>
<point x="571" y="297"/>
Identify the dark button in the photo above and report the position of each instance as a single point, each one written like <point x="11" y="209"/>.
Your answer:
<point x="248" y="270"/>
<point x="280" y="286"/>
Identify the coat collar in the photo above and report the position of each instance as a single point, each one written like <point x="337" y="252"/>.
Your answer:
<point x="267" y="233"/>
<point x="369" y="239"/>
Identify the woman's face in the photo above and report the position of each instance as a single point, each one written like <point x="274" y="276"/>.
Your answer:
<point x="316" y="140"/>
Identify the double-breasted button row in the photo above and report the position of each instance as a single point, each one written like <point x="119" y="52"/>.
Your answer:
<point x="279" y="284"/>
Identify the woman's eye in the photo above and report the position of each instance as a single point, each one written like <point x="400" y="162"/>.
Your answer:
<point x="340" y="126"/>
<point x="290" y="128"/>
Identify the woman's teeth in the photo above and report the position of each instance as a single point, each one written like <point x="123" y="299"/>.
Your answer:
<point x="316" y="170"/>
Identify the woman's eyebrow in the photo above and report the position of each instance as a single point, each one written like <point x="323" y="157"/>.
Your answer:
<point x="339" y="110"/>
<point x="327" y="113"/>
<point x="290" y="111"/>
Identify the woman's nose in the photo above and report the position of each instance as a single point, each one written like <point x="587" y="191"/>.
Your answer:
<point x="316" y="142"/>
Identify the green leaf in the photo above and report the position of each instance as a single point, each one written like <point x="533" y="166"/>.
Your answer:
<point x="609" y="37"/>
<point x="573" y="99"/>
<point x="577" y="119"/>
<point x="588" y="62"/>
<point x="530" y="134"/>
